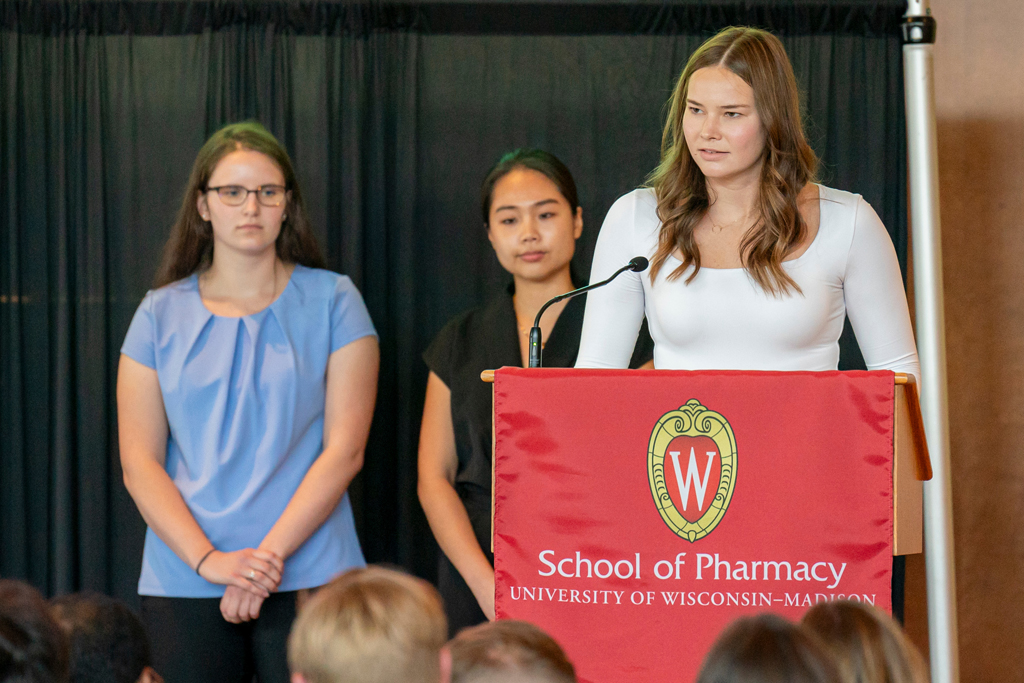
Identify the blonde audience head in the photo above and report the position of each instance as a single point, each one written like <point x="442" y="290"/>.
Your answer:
<point x="370" y="625"/>
<point x="508" y="652"/>
<point x="768" y="649"/>
<point x="868" y="646"/>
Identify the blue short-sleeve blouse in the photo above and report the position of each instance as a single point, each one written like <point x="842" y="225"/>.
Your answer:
<point x="245" y="405"/>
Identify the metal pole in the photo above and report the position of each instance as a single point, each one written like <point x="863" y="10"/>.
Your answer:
<point x="922" y="148"/>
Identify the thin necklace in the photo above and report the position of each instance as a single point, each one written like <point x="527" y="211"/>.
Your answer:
<point x="716" y="227"/>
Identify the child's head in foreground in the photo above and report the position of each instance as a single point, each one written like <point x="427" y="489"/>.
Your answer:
<point x="371" y="625"/>
<point x="108" y="642"/>
<point x="508" y="652"/>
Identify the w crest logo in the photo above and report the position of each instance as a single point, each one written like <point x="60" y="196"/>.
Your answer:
<point x="691" y="456"/>
<point x="700" y="486"/>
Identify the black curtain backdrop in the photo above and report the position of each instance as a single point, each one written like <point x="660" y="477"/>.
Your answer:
<point x="392" y="114"/>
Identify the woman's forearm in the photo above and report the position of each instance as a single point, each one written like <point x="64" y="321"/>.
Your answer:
<point x="348" y="410"/>
<point x="447" y="516"/>
<point x="450" y="523"/>
<point x="142" y="437"/>
<point x="165" y="511"/>
<point x="313" y="502"/>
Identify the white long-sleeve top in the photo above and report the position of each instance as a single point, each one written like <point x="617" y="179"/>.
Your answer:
<point x="724" y="320"/>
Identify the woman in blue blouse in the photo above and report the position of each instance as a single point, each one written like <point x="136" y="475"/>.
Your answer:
<point x="245" y="391"/>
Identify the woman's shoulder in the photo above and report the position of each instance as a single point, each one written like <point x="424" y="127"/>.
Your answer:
<point x="164" y="311"/>
<point x="171" y="297"/>
<point x="320" y="278"/>
<point x="843" y="216"/>
<point x="472" y="322"/>
<point x="839" y="210"/>
<point x="644" y="195"/>
<point x="471" y="329"/>
<point x="319" y="284"/>
<point x="317" y="290"/>
<point x="640" y="205"/>
<point x="846" y="209"/>
<point x="841" y="199"/>
<point x="633" y="216"/>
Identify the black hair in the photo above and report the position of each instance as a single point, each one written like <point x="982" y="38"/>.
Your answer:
<point x="108" y="642"/>
<point x="33" y="648"/>
<point x="535" y="160"/>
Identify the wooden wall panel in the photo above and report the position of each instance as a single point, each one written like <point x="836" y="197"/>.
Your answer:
<point x="979" y="67"/>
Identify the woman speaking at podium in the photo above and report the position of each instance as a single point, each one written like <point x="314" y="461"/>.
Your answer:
<point x="533" y="218"/>
<point x="754" y="266"/>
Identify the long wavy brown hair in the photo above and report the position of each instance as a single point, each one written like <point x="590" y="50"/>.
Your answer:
<point x="867" y="644"/>
<point x="788" y="162"/>
<point x="190" y="246"/>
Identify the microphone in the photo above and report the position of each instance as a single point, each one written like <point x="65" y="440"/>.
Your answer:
<point x="637" y="264"/>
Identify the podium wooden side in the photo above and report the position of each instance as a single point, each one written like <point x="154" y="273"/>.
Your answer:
<point x="911" y="466"/>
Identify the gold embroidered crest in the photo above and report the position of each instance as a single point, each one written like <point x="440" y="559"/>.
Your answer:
<point x="681" y="458"/>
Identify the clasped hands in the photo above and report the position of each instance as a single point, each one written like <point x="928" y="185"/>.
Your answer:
<point x="250" y="574"/>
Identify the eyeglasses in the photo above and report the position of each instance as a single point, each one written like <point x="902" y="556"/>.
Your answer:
<point x="236" y="195"/>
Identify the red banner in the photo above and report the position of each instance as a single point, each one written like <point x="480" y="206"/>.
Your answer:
<point x="638" y="513"/>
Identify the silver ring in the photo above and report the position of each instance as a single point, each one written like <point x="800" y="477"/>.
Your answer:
<point x="252" y="574"/>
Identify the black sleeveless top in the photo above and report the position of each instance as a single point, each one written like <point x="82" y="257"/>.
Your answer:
<point x="487" y="338"/>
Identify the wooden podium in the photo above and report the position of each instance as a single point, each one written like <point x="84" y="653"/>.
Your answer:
<point x="800" y="487"/>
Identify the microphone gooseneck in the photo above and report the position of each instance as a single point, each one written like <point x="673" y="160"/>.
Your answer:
<point x="637" y="264"/>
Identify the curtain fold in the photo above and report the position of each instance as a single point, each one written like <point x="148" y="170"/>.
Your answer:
<point x="392" y="114"/>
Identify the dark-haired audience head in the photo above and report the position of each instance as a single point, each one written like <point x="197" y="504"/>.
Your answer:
<point x="508" y="651"/>
<point x="108" y="642"/>
<point x="537" y="160"/>
<point x="768" y="649"/>
<point x="868" y="646"/>
<point x="371" y="625"/>
<point x="33" y="648"/>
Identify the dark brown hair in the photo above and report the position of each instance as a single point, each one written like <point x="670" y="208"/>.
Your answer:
<point x="788" y="162"/>
<point x="868" y="645"/>
<point x="108" y="642"/>
<point x="33" y="648"/>
<point x="768" y="649"/>
<point x="508" y="646"/>
<point x="535" y="160"/>
<point x="190" y="247"/>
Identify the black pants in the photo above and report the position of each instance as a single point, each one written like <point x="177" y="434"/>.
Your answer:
<point x="192" y="643"/>
<point x="899" y="583"/>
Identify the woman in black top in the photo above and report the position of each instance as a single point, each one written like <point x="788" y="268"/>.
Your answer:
<point x="533" y="219"/>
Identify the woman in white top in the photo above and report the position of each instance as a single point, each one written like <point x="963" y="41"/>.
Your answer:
<point x="753" y="265"/>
